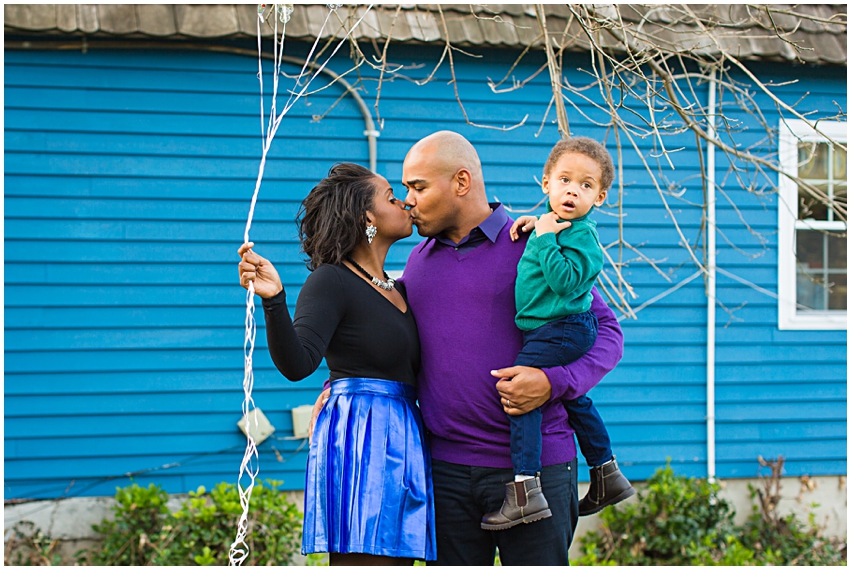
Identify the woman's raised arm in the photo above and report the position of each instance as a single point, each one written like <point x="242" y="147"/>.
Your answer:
<point x="297" y="347"/>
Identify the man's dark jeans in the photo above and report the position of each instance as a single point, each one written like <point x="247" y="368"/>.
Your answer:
<point x="558" y="344"/>
<point x="464" y="494"/>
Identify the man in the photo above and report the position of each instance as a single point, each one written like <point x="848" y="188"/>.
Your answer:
<point x="460" y="285"/>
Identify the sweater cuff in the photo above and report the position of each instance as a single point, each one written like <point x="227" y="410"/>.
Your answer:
<point x="544" y="240"/>
<point x="276" y="301"/>
<point x="559" y="381"/>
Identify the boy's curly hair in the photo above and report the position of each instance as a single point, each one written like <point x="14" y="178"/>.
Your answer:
<point x="590" y="148"/>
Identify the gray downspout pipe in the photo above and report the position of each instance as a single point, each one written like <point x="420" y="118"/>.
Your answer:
<point x="370" y="133"/>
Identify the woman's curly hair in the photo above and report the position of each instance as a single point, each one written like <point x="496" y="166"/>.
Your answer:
<point x="332" y="218"/>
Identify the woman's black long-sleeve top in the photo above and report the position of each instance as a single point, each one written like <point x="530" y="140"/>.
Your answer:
<point x="340" y="316"/>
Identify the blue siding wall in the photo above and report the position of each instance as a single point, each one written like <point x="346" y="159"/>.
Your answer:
<point x="779" y="392"/>
<point x="127" y="182"/>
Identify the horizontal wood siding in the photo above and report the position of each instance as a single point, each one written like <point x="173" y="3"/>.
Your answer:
<point x="127" y="182"/>
<point x="778" y="392"/>
<point x="128" y="178"/>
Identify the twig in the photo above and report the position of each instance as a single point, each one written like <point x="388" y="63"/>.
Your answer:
<point x="384" y="67"/>
<point x="448" y="51"/>
<point x="555" y="74"/>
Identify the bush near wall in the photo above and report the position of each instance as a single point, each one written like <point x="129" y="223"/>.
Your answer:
<point x="682" y="521"/>
<point x="144" y="531"/>
<point x="676" y="521"/>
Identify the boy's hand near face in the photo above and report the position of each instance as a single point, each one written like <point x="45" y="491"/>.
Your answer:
<point x="550" y="223"/>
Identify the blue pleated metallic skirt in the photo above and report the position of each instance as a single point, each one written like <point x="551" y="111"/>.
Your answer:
<point x="369" y="484"/>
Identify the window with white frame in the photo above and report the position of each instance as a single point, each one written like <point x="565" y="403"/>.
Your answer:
<point x="812" y="243"/>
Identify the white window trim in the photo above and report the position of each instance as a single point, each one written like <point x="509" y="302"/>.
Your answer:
<point x="791" y="133"/>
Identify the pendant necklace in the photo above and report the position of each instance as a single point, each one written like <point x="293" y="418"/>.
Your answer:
<point x="387" y="285"/>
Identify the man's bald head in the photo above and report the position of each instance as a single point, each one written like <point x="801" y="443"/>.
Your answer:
<point x="448" y="152"/>
<point x="446" y="190"/>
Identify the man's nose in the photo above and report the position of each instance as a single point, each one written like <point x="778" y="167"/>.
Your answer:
<point x="409" y="201"/>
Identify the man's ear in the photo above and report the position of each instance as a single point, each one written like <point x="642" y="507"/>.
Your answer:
<point x="601" y="198"/>
<point x="464" y="181"/>
<point x="545" y="184"/>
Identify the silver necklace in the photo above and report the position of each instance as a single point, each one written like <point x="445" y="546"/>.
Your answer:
<point x="387" y="285"/>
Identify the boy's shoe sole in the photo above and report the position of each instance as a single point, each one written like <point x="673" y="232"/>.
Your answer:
<point x="527" y="519"/>
<point x="624" y="495"/>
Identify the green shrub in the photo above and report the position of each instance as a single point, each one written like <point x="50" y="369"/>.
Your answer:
<point x="791" y="542"/>
<point x="27" y="545"/>
<point x="140" y="513"/>
<point x="682" y="521"/>
<point x="144" y="532"/>
<point x="784" y="540"/>
<point x="675" y="521"/>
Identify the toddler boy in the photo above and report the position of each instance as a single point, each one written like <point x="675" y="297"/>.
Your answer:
<point x="559" y="266"/>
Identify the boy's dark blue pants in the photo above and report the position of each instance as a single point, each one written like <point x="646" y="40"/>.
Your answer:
<point x="557" y="344"/>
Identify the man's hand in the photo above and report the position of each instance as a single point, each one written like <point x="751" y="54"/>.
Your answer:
<point x="550" y="223"/>
<point x="317" y="407"/>
<point x="522" y="389"/>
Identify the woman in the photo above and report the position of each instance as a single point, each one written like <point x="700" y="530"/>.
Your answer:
<point x="368" y="497"/>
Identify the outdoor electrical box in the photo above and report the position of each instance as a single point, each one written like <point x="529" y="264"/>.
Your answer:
<point x="263" y="428"/>
<point x="301" y="421"/>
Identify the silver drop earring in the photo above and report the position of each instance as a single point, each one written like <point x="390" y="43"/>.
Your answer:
<point x="370" y="233"/>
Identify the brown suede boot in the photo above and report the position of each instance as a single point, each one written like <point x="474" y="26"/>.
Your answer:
<point x="524" y="503"/>
<point x="608" y="486"/>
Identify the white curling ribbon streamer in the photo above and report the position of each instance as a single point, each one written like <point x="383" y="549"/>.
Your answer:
<point x="250" y="464"/>
<point x="284" y="12"/>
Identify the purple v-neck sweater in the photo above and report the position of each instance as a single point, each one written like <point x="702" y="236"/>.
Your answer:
<point x="464" y="307"/>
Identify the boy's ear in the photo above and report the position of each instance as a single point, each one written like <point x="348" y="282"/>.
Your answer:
<point x="545" y="184"/>
<point x="601" y="198"/>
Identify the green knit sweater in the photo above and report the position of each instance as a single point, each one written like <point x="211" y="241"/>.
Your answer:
<point x="556" y="273"/>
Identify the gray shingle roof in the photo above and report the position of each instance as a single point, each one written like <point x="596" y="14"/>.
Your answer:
<point x="748" y="31"/>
